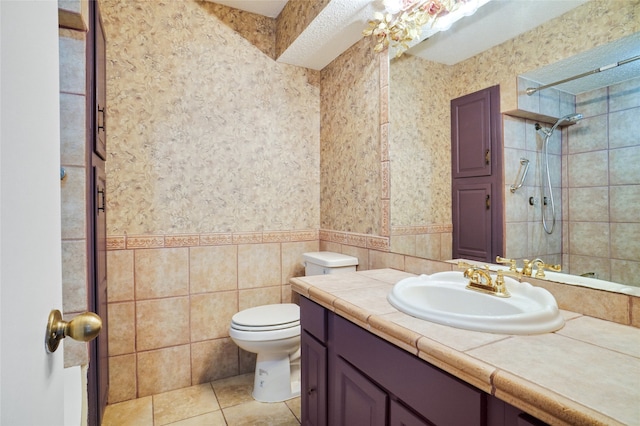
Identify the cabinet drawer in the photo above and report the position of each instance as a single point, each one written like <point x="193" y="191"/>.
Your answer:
<point x="313" y="319"/>
<point x="439" y="397"/>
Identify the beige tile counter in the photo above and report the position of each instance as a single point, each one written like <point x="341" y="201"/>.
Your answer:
<point x="588" y="372"/>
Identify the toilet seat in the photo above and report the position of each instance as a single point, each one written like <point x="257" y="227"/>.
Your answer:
<point x="273" y="316"/>
<point x="267" y="322"/>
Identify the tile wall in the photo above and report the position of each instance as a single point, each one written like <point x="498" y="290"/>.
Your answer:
<point x="171" y="300"/>
<point x="596" y="187"/>
<point x="602" y="182"/>
<point x="74" y="185"/>
<point x="525" y="236"/>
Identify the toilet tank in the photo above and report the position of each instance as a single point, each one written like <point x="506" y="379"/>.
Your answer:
<point x="327" y="262"/>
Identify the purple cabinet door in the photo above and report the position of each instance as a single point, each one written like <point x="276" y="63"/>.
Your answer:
<point x="354" y="400"/>
<point x="476" y="172"/>
<point x="314" y="381"/>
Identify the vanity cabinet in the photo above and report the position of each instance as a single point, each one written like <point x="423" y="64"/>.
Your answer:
<point x="352" y="377"/>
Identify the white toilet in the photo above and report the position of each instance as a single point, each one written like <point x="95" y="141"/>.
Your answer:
<point x="273" y="333"/>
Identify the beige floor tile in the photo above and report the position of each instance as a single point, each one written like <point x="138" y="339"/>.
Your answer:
<point x="183" y="404"/>
<point x="136" y="412"/>
<point x="259" y="413"/>
<point x="234" y="390"/>
<point x="210" y="419"/>
<point x="295" y="405"/>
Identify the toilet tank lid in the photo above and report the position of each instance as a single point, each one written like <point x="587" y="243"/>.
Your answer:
<point x="267" y="315"/>
<point x="330" y="259"/>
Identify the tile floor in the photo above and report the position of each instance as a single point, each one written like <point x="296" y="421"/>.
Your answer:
<point x="223" y="402"/>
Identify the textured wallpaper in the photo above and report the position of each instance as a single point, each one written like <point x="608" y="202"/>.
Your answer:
<point x="206" y="132"/>
<point x="419" y="146"/>
<point x="350" y="154"/>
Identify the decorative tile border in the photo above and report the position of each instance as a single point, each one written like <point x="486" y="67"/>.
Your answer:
<point x="356" y="240"/>
<point x="123" y="242"/>
<point x="438" y="228"/>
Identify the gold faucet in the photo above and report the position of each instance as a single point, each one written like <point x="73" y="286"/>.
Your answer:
<point x="480" y="280"/>
<point x="527" y="269"/>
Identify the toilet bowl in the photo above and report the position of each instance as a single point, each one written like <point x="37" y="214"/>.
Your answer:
<point x="273" y="333"/>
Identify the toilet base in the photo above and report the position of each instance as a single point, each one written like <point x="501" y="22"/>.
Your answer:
<point x="277" y="378"/>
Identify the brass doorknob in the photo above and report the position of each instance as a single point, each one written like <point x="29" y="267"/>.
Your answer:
<point x="83" y="327"/>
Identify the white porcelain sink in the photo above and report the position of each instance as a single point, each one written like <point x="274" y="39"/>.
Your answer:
<point x="443" y="298"/>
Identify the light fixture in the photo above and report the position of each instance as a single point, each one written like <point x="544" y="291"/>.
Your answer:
<point x="405" y="21"/>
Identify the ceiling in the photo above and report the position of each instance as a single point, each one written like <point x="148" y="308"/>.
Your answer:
<point x="270" y="8"/>
<point x="339" y="25"/>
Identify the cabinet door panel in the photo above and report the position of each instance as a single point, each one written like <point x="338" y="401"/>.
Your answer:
<point x="355" y="401"/>
<point x="399" y="415"/>
<point x="439" y="397"/>
<point x="314" y="381"/>
<point x="472" y="214"/>
<point x="471" y="135"/>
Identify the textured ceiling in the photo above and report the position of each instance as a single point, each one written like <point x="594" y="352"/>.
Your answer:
<point x="270" y="8"/>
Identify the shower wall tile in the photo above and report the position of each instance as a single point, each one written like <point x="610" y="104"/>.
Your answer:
<point x="589" y="238"/>
<point x="121" y="276"/>
<point x="595" y="102"/>
<point x="590" y="134"/>
<point x="213" y="268"/>
<point x="153" y="368"/>
<point x="161" y="272"/>
<point x="567" y="103"/>
<point x="584" y="264"/>
<point x="74" y="271"/>
<point x="627" y="271"/>
<point x="624" y="203"/>
<point x="624" y="128"/>
<point x="624" y="241"/>
<point x="550" y="102"/>
<point x="589" y="204"/>
<point x="513" y="132"/>
<point x="623" y="164"/>
<point x="72" y="129"/>
<point x="588" y="169"/>
<point x="624" y="95"/>
<point x="162" y="322"/>
<point x="73" y="201"/>
<point x="72" y="61"/>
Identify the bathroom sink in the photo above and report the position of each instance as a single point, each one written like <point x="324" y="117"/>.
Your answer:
<point x="443" y="298"/>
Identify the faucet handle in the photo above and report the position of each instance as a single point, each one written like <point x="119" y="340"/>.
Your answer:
<point x="500" y="286"/>
<point x="542" y="266"/>
<point x="510" y="262"/>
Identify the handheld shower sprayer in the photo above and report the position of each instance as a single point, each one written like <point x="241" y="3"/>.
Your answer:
<point x="567" y="119"/>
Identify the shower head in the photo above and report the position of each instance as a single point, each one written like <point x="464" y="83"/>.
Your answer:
<point x="567" y="119"/>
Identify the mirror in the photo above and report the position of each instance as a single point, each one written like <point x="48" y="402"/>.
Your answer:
<point x="419" y="144"/>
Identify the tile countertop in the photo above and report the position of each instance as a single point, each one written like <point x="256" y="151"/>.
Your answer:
<point x="588" y="372"/>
